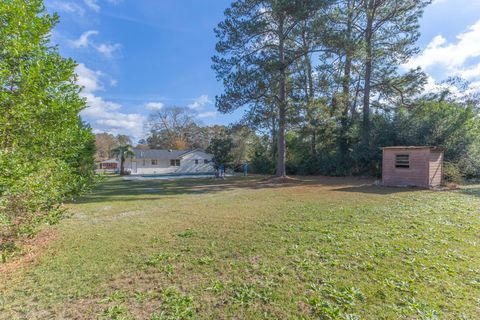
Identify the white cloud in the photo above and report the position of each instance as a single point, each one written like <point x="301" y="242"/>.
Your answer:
<point x="84" y="40"/>
<point x="88" y="79"/>
<point x="470" y="73"/>
<point x="208" y="114"/>
<point x="450" y="55"/>
<point x="200" y="102"/>
<point x="65" y="6"/>
<point x="102" y="114"/>
<point x="107" y="49"/>
<point x="446" y="59"/>
<point x="433" y="86"/>
<point x="154" y="106"/>
<point x="92" y="4"/>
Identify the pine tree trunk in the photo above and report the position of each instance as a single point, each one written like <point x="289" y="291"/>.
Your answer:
<point x="309" y="93"/>
<point x="281" y="171"/>
<point x="274" y="136"/>
<point x="368" y="75"/>
<point x="310" y="98"/>
<point x="346" y="105"/>
<point x="346" y="82"/>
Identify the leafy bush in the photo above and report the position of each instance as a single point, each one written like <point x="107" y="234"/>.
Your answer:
<point x="261" y="161"/>
<point x="31" y="193"/>
<point x="452" y="173"/>
<point x="46" y="153"/>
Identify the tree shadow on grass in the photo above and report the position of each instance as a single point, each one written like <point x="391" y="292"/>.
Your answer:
<point x="380" y="190"/>
<point x="471" y="190"/>
<point x="117" y="189"/>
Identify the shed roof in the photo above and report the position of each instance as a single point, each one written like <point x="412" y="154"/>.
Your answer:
<point x="415" y="147"/>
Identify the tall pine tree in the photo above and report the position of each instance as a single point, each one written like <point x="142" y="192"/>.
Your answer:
<point x="257" y="48"/>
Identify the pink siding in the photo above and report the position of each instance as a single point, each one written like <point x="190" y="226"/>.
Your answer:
<point x="418" y="173"/>
<point x="436" y="168"/>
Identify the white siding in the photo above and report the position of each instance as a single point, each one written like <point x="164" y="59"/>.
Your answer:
<point x="187" y="164"/>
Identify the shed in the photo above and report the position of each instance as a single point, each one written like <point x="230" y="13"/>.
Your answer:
<point x="413" y="166"/>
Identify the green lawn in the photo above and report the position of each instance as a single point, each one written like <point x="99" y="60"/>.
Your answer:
<point x="325" y="248"/>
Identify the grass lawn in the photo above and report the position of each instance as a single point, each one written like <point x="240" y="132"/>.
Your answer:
<point x="325" y="248"/>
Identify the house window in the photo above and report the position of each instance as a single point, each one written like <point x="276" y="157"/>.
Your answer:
<point x="206" y="161"/>
<point x="154" y="162"/>
<point x="144" y="162"/>
<point x="175" y="162"/>
<point x="402" y="161"/>
<point x="196" y="161"/>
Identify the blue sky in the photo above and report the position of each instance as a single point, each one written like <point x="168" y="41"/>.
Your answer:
<point x="136" y="56"/>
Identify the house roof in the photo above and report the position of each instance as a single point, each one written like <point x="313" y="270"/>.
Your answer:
<point x="110" y="161"/>
<point x="158" y="154"/>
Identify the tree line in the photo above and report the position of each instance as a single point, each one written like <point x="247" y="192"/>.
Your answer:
<point x="323" y="83"/>
<point x="177" y="128"/>
<point x="324" y="88"/>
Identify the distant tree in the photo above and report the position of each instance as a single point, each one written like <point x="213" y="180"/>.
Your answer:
<point x="142" y="144"/>
<point x="123" y="139"/>
<point x="170" y="128"/>
<point x="122" y="152"/>
<point x="221" y="148"/>
<point x="242" y="138"/>
<point x="203" y="135"/>
<point x="104" y="143"/>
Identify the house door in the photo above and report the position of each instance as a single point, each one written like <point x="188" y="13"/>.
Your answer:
<point x="134" y="167"/>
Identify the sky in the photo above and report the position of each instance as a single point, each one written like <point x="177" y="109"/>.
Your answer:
<point x="138" y="56"/>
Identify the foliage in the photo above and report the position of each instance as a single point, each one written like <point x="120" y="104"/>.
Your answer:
<point x="308" y="73"/>
<point x="221" y="148"/>
<point x="106" y="142"/>
<point x="427" y="122"/>
<point x="261" y="161"/>
<point x="171" y="128"/>
<point x="258" y="47"/>
<point x="452" y="173"/>
<point x="176" y="128"/>
<point x="122" y="152"/>
<point x="46" y="154"/>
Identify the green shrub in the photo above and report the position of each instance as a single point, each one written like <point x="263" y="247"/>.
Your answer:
<point x="46" y="151"/>
<point x="31" y="194"/>
<point x="452" y="173"/>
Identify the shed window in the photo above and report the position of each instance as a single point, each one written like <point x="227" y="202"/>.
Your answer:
<point x="196" y="161"/>
<point x="206" y="161"/>
<point x="402" y="161"/>
<point x="154" y="162"/>
<point x="175" y="162"/>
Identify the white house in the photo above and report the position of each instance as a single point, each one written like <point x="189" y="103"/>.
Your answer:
<point x="169" y="161"/>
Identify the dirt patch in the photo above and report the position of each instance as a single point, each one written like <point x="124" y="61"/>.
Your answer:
<point x="31" y="250"/>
